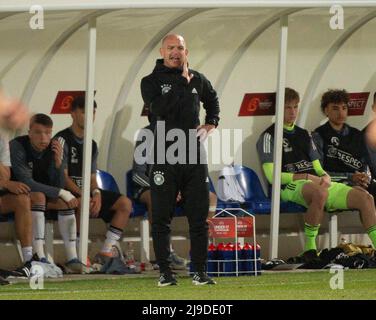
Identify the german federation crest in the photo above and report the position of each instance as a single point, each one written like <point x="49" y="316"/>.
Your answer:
<point x="158" y="178"/>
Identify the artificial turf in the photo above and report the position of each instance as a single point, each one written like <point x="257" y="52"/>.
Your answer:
<point x="358" y="284"/>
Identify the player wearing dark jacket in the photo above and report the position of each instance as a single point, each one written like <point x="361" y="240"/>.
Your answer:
<point x="173" y="93"/>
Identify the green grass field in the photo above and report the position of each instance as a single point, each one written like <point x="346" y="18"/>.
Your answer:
<point x="358" y="284"/>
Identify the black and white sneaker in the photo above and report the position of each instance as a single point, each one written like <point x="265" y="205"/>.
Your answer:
<point x="3" y="282"/>
<point x="22" y="272"/>
<point x="201" y="278"/>
<point x="167" y="279"/>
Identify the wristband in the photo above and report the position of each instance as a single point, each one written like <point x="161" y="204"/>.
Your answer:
<point x="66" y="195"/>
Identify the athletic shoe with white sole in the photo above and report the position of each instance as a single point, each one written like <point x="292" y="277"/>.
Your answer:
<point x="167" y="279"/>
<point x="74" y="266"/>
<point x="201" y="278"/>
<point x="3" y="282"/>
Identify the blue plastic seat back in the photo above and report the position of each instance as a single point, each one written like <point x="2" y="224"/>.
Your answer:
<point x="250" y="183"/>
<point x="138" y="209"/>
<point x="255" y="197"/>
<point x="106" y="181"/>
<point x="211" y="186"/>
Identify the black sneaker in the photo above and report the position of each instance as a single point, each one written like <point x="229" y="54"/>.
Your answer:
<point x="3" y="282"/>
<point x="167" y="279"/>
<point x="201" y="278"/>
<point x="22" y="272"/>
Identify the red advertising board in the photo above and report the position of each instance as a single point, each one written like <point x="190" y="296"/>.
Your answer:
<point x="245" y="227"/>
<point x="64" y="100"/>
<point x="225" y="227"/>
<point x="263" y="104"/>
<point x="357" y="103"/>
<point x="258" y="104"/>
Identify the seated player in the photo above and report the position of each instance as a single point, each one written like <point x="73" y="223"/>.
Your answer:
<point x="113" y="208"/>
<point x="142" y="194"/>
<point x="369" y="134"/>
<point x="37" y="162"/>
<point x="14" y="115"/>
<point x="14" y="197"/>
<point x="305" y="182"/>
<point x="341" y="147"/>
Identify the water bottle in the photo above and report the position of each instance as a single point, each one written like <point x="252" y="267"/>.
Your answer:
<point x="237" y="263"/>
<point x="229" y="257"/>
<point x="220" y="258"/>
<point x="212" y="265"/>
<point x="247" y="256"/>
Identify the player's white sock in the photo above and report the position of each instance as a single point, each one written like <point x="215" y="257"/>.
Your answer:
<point x="27" y="253"/>
<point x="113" y="234"/>
<point x="38" y="219"/>
<point x="78" y="242"/>
<point x="67" y="227"/>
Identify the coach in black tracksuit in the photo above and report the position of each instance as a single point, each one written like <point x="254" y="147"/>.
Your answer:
<point x="173" y="92"/>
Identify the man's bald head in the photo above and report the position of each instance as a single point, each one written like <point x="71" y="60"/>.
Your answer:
<point x="173" y="51"/>
<point x="173" y="36"/>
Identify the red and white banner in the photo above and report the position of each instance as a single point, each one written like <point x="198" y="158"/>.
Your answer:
<point x="225" y="227"/>
<point x="258" y="104"/>
<point x="245" y="227"/>
<point x="357" y="103"/>
<point x="63" y="101"/>
<point x="263" y="104"/>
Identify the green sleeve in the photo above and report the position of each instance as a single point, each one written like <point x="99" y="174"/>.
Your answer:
<point x="286" y="177"/>
<point x="318" y="168"/>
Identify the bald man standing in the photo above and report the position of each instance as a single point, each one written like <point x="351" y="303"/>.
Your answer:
<point x="173" y="93"/>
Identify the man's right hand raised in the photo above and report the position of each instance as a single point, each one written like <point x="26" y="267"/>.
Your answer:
<point x="185" y="73"/>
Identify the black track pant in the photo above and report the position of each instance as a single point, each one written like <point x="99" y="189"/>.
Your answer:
<point x="192" y="181"/>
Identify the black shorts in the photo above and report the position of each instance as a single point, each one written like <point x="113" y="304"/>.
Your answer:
<point x="108" y="200"/>
<point x="138" y="191"/>
<point x="106" y="214"/>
